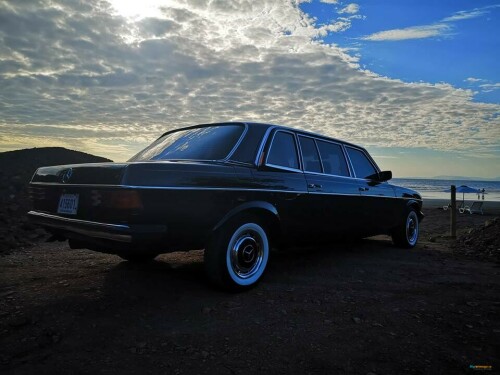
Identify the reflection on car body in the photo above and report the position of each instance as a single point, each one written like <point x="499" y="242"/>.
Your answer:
<point x="230" y="188"/>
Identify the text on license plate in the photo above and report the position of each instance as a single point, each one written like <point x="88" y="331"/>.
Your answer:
<point x="68" y="204"/>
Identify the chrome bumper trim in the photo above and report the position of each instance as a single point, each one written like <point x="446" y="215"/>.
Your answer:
<point x="84" y="227"/>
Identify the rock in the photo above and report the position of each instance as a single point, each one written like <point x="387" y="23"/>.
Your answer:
<point x="207" y="310"/>
<point x="7" y="294"/>
<point x="356" y="320"/>
<point x="472" y="304"/>
<point x="12" y="208"/>
<point x="19" y="321"/>
<point x="40" y="231"/>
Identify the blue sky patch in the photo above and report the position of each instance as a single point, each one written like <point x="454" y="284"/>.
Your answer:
<point x="454" y="42"/>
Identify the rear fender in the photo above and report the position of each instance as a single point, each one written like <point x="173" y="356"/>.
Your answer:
<point x="261" y="209"/>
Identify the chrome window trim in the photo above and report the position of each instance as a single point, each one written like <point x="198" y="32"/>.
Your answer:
<point x="331" y="175"/>
<point x="233" y="150"/>
<point x="345" y="159"/>
<point x="296" y="152"/>
<point x="263" y="143"/>
<point x="302" y="156"/>
<point x="370" y="160"/>
<point x="284" y="168"/>
<point x="349" y="162"/>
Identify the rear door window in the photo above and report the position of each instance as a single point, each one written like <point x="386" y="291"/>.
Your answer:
<point x="283" y="152"/>
<point x="332" y="158"/>
<point x="310" y="155"/>
<point x="360" y="162"/>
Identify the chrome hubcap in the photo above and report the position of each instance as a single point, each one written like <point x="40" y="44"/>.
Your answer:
<point x="247" y="254"/>
<point x="412" y="228"/>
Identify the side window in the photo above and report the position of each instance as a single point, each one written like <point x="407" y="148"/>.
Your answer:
<point x="283" y="151"/>
<point x="333" y="158"/>
<point x="310" y="155"/>
<point x="362" y="166"/>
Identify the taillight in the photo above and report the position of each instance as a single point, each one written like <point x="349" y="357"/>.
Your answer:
<point x="118" y="199"/>
<point x="124" y="199"/>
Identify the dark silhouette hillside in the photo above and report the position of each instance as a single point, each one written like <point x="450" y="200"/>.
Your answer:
<point x="25" y="162"/>
<point x="16" y="169"/>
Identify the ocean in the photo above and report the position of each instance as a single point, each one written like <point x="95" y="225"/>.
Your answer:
<point x="430" y="188"/>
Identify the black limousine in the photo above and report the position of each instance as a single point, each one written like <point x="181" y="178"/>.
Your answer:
<point x="233" y="189"/>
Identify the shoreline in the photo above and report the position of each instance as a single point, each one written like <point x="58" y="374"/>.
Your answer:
<point x="489" y="207"/>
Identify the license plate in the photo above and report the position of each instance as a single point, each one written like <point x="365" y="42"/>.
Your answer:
<point x="68" y="204"/>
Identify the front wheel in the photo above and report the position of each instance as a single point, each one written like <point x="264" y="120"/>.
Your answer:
<point x="237" y="254"/>
<point x="406" y="235"/>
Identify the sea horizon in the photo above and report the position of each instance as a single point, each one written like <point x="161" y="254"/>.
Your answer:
<point x="435" y="188"/>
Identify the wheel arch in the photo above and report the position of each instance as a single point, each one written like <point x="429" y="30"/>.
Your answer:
<point x="261" y="209"/>
<point x="417" y="206"/>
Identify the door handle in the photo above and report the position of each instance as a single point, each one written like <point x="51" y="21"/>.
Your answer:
<point x="314" y="186"/>
<point x="364" y="189"/>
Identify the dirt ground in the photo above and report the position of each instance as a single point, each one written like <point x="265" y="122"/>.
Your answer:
<point x="353" y="308"/>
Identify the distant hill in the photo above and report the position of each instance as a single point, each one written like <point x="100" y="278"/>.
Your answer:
<point x="25" y="162"/>
<point x="16" y="169"/>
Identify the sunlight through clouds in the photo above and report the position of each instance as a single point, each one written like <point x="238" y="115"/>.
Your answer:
<point x="119" y="74"/>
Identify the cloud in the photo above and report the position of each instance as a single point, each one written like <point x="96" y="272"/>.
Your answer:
<point x="350" y="9"/>
<point x="329" y="1"/>
<point x="485" y="86"/>
<point x="473" y="80"/>
<point x="489" y="87"/>
<point x="441" y="28"/>
<point x="415" y="32"/>
<point x="82" y="75"/>
<point x="464" y="15"/>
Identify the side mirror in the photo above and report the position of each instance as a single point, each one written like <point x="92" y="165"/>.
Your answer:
<point x="380" y="176"/>
<point x="384" y="176"/>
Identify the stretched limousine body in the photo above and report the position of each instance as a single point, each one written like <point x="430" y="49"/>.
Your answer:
<point x="231" y="188"/>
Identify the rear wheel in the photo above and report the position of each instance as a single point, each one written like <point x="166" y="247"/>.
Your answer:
<point x="406" y="235"/>
<point x="237" y="254"/>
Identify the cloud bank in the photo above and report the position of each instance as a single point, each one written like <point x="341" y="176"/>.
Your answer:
<point x="81" y="75"/>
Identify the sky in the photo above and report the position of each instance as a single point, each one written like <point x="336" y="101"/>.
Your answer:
<point x="415" y="82"/>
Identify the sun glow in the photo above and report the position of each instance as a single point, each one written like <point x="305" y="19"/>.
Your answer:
<point x="138" y="9"/>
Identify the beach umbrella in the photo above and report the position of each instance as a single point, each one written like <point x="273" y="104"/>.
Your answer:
<point x="464" y="189"/>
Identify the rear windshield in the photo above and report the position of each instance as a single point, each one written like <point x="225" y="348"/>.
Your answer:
<point x="204" y="143"/>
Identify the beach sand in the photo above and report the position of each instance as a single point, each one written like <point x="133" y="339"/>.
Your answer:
<point x="437" y="221"/>
<point x="361" y="307"/>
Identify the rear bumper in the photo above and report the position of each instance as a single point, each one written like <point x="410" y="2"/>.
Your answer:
<point x="122" y="233"/>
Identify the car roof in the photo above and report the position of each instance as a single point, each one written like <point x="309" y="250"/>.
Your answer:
<point x="268" y="125"/>
<point x="304" y="132"/>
